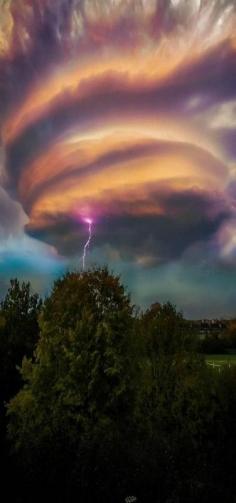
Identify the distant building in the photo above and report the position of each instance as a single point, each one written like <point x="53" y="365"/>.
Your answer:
<point x="207" y="327"/>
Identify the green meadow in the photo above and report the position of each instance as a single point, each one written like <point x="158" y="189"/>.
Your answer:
<point x="218" y="361"/>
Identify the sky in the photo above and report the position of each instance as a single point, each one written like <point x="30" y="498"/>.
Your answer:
<point x="121" y="113"/>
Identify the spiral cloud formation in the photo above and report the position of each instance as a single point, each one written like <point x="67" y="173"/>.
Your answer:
<point x="123" y="111"/>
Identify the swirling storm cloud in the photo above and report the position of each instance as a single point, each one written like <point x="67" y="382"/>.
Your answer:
<point x="123" y="112"/>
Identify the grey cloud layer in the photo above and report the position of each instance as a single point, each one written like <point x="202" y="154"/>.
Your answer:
<point x="185" y="218"/>
<point x="12" y="217"/>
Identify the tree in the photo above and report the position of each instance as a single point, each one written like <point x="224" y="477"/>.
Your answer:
<point x="19" y="333"/>
<point x="167" y="331"/>
<point x="114" y="404"/>
<point x="214" y="344"/>
<point x="229" y="336"/>
<point x="178" y="407"/>
<point x="75" y="410"/>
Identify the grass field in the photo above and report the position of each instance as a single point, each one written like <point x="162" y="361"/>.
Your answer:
<point x="217" y="361"/>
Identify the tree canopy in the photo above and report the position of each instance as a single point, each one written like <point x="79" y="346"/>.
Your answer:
<point x="81" y="388"/>
<point x="113" y="402"/>
<point x="19" y="331"/>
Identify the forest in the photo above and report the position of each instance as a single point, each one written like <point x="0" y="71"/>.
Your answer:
<point x="101" y="401"/>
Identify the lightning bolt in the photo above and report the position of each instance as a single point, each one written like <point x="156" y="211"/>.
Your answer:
<point x="86" y="246"/>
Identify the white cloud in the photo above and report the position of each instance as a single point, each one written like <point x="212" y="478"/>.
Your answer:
<point x="223" y="116"/>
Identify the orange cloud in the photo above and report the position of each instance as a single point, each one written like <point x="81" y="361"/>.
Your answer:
<point x="177" y="166"/>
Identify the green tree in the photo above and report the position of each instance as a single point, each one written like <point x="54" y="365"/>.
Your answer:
<point x="77" y="405"/>
<point x="167" y="331"/>
<point x="19" y="331"/>
<point x="229" y="336"/>
<point x="177" y="405"/>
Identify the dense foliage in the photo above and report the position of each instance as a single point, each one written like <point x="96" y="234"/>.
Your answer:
<point x="19" y="333"/>
<point x="110" y="403"/>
